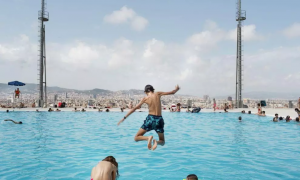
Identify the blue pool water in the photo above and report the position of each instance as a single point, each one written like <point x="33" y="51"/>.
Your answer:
<point x="67" y="145"/>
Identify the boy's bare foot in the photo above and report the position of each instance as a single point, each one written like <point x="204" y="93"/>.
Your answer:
<point x="150" y="142"/>
<point x="154" y="145"/>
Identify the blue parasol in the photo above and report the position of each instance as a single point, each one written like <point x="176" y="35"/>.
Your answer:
<point x="16" y="83"/>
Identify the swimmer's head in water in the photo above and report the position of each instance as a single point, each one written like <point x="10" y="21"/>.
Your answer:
<point x="192" y="177"/>
<point x="149" y="88"/>
<point x="20" y="122"/>
<point x="240" y="118"/>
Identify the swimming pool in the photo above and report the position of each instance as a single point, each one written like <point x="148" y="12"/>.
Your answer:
<point x="67" y="145"/>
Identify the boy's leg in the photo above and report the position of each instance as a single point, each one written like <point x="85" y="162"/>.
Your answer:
<point x="161" y="141"/>
<point x="140" y="137"/>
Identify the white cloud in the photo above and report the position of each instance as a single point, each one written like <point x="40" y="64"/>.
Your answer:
<point x="185" y="74"/>
<point x="210" y="25"/>
<point x="292" y="31"/>
<point x="128" y="64"/>
<point x="122" y="54"/>
<point x="126" y="15"/>
<point x="121" y="16"/>
<point x="19" y="50"/>
<point x="248" y="33"/>
<point x="154" y="50"/>
<point x="139" y="23"/>
<point x="208" y="38"/>
<point x="212" y="35"/>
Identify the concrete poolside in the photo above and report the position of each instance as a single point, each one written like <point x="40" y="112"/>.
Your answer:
<point x="269" y="111"/>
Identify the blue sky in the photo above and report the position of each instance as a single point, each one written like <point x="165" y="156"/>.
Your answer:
<point x="77" y="27"/>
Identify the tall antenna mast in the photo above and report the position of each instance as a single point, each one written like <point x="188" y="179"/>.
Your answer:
<point x="240" y="17"/>
<point x="43" y="16"/>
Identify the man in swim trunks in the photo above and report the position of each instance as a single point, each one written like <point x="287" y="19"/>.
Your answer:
<point x="154" y="120"/>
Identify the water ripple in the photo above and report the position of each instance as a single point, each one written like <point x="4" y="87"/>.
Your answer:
<point x="67" y="145"/>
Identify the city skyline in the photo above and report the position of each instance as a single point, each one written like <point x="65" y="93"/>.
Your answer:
<point x="162" y="43"/>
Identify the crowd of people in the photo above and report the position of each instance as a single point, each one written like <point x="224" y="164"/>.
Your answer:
<point x="287" y="118"/>
<point x="276" y="118"/>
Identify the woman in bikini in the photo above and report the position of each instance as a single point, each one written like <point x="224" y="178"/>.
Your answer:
<point x="154" y="120"/>
<point x="258" y="109"/>
<point x="107" y="169"/>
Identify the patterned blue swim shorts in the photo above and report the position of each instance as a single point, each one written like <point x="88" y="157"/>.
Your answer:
<point x="154" y="123"/>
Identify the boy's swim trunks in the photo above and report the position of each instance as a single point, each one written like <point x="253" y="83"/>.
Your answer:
<point x="154" y="123"/>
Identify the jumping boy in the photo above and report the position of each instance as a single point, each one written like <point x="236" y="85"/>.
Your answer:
<point x="154" y="120"/>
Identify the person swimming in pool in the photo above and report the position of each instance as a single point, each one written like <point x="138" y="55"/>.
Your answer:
<point x="154" y="121"/>
<point x="20" y="122"/>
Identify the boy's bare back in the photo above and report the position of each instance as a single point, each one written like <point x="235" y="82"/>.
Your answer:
<point x="154" y="104"/>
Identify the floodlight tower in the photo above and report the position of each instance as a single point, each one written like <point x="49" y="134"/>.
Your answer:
<point x="240" y="17"/>
<point x="43" y="16"/>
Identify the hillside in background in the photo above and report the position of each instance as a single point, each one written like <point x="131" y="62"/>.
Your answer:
<point x="32" y="88"/>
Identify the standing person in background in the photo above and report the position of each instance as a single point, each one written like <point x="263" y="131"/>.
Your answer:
<point x="298" y="112"/>
<point x="259" y="109"/>
<point x="178" y="107"/>
<point x="17" y="93"/>
<point x="230" y="104"/>
<point x="299" y="103"/>
<point x="215" y="104"/>
<point x="130" y="106"/>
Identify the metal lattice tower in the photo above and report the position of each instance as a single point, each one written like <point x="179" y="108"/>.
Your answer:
<point x="43" y="16"/>
<point x="240" y="17"/>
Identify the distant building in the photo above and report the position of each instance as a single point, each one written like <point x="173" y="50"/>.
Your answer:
<point x="189" y="103"/>
<point x="91" y="102"/>
<point x="290" y="104"/>
<point x="229" y="98"/>
<point x="205" y="97"/>
<point x="246" y="101"/>
<point x="55" y="97"/>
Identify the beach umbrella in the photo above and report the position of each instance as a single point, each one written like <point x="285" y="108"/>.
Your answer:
<point x="16" y="83"/>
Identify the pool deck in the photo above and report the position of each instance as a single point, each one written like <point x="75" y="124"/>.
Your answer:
<point x="269" y="111"/>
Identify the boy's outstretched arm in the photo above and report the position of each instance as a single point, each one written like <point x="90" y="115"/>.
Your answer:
<point x="132" y="110"/>
<point x="171" y="92"/>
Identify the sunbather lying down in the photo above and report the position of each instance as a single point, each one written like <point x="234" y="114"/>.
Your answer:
<point x="20" y="122"/>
